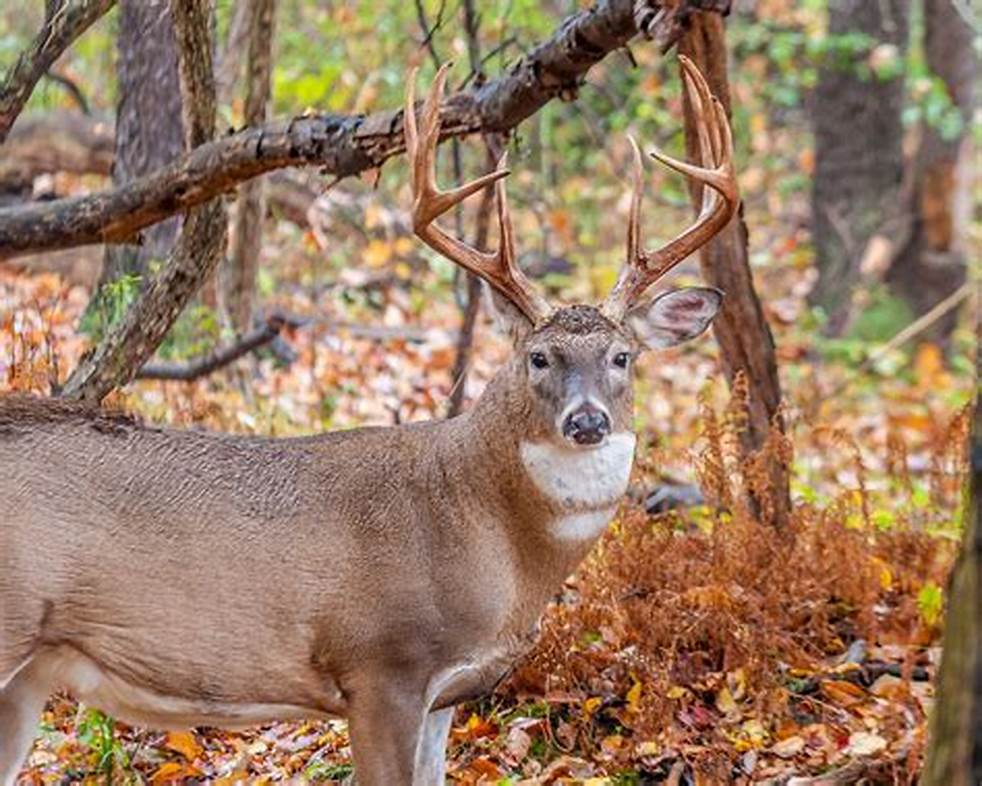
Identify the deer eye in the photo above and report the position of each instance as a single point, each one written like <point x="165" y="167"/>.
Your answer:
<point x="538" y="360"/>
<point x="621" y="359"/>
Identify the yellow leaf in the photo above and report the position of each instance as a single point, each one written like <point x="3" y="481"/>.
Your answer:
<point x="634" y="697"/>
<point x="168" y="772"/>
<point x="591" y="705"/>
<point x="928" y="365"/>
<point x="676" y="692"/>
<point x="725" y="702"/>
<point x="648" y="748"/>
<point x="377" y="253"/>
<point x="612" y="743"/>
<point x="184" y="743"/>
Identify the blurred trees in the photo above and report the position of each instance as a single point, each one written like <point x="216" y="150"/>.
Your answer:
<point x="928" y="255"/>
<point x="878" y="214"/>
<point x="858" y="143"/>
<point x="148" y="124"/>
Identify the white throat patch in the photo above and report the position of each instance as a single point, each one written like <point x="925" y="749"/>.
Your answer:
<point x="573" y="477"/>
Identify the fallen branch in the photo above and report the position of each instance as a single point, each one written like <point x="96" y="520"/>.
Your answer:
<point x="67" y="23"/>
<point x="341" y="145"/>
<point x="219" y="358"/>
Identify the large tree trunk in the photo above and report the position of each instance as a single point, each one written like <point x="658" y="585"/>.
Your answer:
<point x="148" y="123"/>
<point x="128" y="345"/>
<point x="247" y="235"/>
<point x="954" y="756"/>
<point x="744" y="337"/>
<point x="930" y="260"/>
<point x="858" y="156"/>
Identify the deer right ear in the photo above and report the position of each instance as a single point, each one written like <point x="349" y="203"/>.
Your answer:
<point x="508" y="319"/>
<point x="675" y="316"/>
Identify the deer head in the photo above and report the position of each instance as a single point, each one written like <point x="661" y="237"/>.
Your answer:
<point x="574" y="362"/>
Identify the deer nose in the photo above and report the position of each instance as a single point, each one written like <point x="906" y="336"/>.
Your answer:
<point x="588" y="425"/>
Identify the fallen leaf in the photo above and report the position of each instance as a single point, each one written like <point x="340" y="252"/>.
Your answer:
<point x="864" y="743"/>
<point x="788" y="748"/>
<point x="183" y="742"/>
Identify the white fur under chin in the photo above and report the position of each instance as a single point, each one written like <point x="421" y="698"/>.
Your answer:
<point x="578" y="477"/>
<point x="583" y="526"/>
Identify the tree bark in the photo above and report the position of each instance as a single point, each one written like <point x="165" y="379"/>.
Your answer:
<point x="858" y="156"/>
<point x="744" y="337"/>
<point x="340" y="145"/>
<point x="148" y="126"/>
<point x="247" y="235"/>
<point x="931" y="264"/>
<point x="62" y="25"/>
<point x="954" y="754"/>
<point x="131" y="343"/>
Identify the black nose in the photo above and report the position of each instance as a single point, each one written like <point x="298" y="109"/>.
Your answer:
<point x="587" y="426"/>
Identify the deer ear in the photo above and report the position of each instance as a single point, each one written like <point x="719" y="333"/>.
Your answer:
<point x="674" y="317"/>
<point x="507" y="318"/>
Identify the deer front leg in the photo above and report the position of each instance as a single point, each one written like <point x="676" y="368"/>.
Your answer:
<point x="21" y="702"/>
<point x="386" y="723"/>
<point x="431" y="751"/>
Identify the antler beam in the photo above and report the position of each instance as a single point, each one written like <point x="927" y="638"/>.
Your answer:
<point x="719" y="200"/>
<point x="498" y="268"/>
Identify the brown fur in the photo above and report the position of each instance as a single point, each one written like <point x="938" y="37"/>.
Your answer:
<point x="176" y="577"/>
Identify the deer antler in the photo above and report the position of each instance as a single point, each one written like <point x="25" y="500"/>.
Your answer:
<point x="498" y="268"/>
<point x="719" y="201"/>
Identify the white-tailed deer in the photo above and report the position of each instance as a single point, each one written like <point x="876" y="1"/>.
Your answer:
<point x="178" y="578"/>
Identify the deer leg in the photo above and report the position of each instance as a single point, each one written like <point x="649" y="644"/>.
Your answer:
<point x="431" y="750"/>
<point x="21" y="703"/>
<point x="386" y="723"/>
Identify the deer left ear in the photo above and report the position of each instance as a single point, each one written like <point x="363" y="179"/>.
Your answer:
<point x="674" y="317"/>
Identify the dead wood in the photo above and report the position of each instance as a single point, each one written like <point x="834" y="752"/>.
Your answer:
<point x="341" y="145"/>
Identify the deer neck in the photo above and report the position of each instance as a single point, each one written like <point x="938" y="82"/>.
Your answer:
<point x="561" y="498"/>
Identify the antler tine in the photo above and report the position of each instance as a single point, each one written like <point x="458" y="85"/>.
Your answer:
<point x="643" y="268"/>
<point x="498" y="268"/>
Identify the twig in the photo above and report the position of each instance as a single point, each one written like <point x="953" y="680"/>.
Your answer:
<point x="72" y="89"/>
<point x="200" y="367"/>
<point x="60" y="29"/>
<point x="912" y="330"/>
<point x="343" y="145"/>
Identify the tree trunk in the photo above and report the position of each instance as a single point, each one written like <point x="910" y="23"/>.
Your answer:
<point x="148" y="123"/>
<point x="247" y="236"/>
<point x="858" y="156"/>
<point x="930" y="265"/>
<point x="128" y="345"/>
<point x="954" y="755"/>
<point x="744" y="337"/>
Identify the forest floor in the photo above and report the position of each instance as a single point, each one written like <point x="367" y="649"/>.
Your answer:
<point x="693" y="646"/>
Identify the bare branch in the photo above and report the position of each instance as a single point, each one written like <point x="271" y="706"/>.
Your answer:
<point x="67" y="22"/>
<point x="340" y="145"/>
<point x="200" y="367"/>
